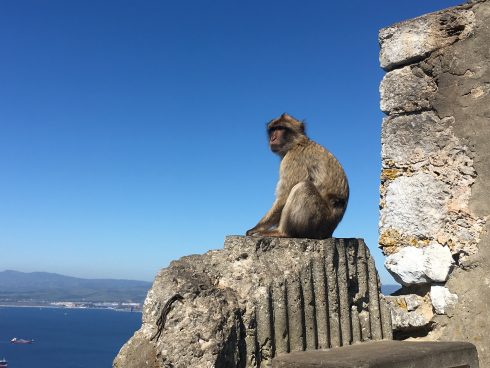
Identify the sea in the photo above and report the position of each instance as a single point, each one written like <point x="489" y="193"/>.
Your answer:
<point x="64" y="338"/>
<point x="69" y="338"/>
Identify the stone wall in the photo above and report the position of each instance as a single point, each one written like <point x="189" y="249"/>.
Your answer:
<point x="435" y="180"/>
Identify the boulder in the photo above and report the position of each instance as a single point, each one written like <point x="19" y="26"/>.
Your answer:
<point x="411" y="265"/>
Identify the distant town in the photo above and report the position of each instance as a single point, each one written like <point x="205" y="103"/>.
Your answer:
<point x="119" y="306"/>
<point x="132" y="307"/>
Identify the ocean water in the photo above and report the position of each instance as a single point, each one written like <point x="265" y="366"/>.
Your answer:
<point x="64" y="338"/>
<point x="69" y="338"/>
<point x="388" y="289"/>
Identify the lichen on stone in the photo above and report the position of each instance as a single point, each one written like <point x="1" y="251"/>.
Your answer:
<point x="427" y="177"/>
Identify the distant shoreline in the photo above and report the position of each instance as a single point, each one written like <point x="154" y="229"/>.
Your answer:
<point x="69" y="308"/>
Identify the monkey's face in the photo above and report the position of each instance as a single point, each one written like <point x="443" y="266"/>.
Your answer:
<point x="277" y="138"/>
<point x="284" y="133"/>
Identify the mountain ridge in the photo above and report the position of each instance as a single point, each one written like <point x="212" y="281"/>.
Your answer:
<point x="46" y="286"/>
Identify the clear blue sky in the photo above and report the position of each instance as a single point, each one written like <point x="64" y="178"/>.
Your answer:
<point x="132" y="132"/>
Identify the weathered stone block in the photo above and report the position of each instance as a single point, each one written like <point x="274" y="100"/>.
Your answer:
<point x="406" y="90"/>
<point x="412" y="40"/>
<point x="419" y="140"/>
<point x="424" y="146"/>
<point x="415" y="205"/>
<point x="386" y="354"/>
<point x="241" y="306"/>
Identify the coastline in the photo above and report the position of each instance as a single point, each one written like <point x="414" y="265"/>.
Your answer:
<point x="70" y="308"/>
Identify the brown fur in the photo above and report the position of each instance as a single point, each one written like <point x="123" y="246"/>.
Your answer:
<point x="312" y="192"/>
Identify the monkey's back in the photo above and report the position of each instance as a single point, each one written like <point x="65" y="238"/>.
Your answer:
<point x="315" y="163"/>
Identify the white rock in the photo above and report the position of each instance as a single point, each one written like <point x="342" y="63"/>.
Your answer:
<point x="412" y="265"/>
<point x="442" y="298"/>
<point x="438" y="262"/>
<point x="407" y="266"/>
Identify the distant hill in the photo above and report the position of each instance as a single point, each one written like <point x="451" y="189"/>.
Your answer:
<point x="43" y="286"/>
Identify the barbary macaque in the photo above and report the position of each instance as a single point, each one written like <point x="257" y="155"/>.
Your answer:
<point x="312" y="192"/>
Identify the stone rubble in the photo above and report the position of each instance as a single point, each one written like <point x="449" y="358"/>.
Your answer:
<point x="442" y="298"/>
<point x="409" y="312"/>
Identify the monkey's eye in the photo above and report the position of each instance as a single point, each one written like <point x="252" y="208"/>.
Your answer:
<point x="273" y="129"/>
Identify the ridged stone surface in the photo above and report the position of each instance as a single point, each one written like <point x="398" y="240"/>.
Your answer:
<point x="259" y="297"/>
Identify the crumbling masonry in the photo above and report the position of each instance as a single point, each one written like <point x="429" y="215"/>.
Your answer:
<point x="435" y="180"/>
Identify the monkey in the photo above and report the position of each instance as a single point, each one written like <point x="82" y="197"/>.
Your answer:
<point x="312" y="191"/>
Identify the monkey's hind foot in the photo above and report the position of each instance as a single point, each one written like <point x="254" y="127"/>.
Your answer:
<point x="273" y="234"/>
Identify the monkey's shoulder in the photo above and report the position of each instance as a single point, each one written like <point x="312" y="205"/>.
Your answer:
<point x="310" y="152"/>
